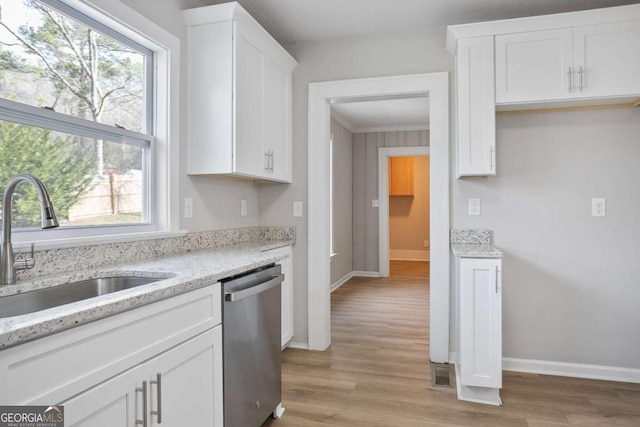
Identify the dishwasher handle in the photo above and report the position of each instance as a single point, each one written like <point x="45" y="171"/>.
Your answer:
<point x="245" y="293"/>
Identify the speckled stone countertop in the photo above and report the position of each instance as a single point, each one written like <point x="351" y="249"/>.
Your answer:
<point x="179" y="273"/>
<point x="473" y="244"/>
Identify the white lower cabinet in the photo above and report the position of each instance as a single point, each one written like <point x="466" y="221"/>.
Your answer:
<point x="159" y="364"/>
<point x="479" y="303"/>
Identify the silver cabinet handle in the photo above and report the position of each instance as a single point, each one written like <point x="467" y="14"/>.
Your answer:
<point x="266" y="161"/>
<point x="272" y="156"/>
<point x="580" y="74"/>
<point x="158" y="383"/>
<point x="143" y="422"/>
<point x="491" y="151"/>
<point x="497" y="275"/>
<point x="569" y="73"/>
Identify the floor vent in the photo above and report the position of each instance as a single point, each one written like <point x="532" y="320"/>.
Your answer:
<point x="441" y="374"/>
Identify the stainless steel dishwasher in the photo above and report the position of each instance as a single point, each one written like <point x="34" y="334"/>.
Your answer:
<point x="251" y="337"/>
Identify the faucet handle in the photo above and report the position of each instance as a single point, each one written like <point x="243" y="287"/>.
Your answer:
<point x="28" y="262"/>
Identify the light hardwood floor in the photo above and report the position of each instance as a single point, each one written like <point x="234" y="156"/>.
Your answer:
<point x="376" y="372"/>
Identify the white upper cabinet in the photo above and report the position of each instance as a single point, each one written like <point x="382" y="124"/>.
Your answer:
<point x="608" y="57"/>
<point x="239" y="107"/>
<point x="534" y="66"/>
<point x="476" y="116"/>
<point x="590" y="61"/>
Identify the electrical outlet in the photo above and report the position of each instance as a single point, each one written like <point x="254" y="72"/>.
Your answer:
<point x="598" y="207"/>
<point x="188" y="207"/>
<point x="243" y="208"/>
<point x="375" y="203"/>
<point x="297" y="209"/>
<point x="474" y="207"/>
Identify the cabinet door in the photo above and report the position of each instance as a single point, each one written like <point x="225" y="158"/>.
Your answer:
<point x="401" y="176"/>
<point x="476" y="107"/>
<point x="185" y="383"/>
<point x="534" y="66"/>
<point x="607" y="58"/>
<point x="115" y="402"/>
<point x="277" y="120"/>
<point x="287" y="299"/>
<point x="481" y="322"/>
<point x="249" y="151"/>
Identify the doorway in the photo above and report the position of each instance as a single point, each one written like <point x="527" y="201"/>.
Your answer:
<point x="384" y="154"/>
<point x="321" y="95"/>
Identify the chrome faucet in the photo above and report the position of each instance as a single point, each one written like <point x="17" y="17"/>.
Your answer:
<point x="8" y="265"/>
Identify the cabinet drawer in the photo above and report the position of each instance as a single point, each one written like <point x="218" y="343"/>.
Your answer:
<point x="56" y="367"/>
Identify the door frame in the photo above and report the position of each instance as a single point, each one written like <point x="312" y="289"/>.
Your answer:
<point x="383" y="196"/>
<point x="321" y="94"/>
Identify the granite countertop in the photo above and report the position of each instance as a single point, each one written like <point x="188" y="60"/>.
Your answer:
<point x="473" y="243"/>
<point x="179" y="273"/>
<point x="475" y="250"/>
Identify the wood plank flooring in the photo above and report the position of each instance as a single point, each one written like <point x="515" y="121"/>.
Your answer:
<point x="377" y="372"/>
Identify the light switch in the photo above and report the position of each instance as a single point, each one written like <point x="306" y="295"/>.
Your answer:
<point x="598" y="207"/>
<point x="243" y="208"/>
<point x="297" y="209"/>
<point x="375" y="203"/>
<point x="474" y="207"/>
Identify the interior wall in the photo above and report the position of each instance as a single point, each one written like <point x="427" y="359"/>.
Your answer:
<point x="216" y="201"/>
<point x="366" y="234"/>
<point x="570" y="280"/>
<point x="341" y="261"/>
<point x="409" y="217"/>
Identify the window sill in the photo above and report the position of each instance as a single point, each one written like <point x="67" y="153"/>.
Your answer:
<point x="96" y="240"/>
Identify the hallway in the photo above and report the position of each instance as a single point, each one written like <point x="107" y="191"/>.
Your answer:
<point x="376" y="372"/>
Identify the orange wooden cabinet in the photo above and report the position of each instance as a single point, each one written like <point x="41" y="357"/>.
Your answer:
<point x="401" y="176"/>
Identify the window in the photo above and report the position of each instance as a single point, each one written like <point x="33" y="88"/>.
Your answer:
<point x="82" y="98"/>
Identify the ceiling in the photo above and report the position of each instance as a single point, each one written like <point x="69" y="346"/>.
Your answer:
<point x="295" y="21"/>
<point x="290" y="21"/>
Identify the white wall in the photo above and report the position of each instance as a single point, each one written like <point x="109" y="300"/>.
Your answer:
<point x="571" y="287"/>
<point x="341" y="261"/>
<point x="335" y="60"/>
<point x="216" y="201"/>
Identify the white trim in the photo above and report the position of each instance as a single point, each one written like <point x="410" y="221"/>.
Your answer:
<point x="298" y="345"/>
<point x="573" y="370"/>
<point x="405" y="128"/>
<point x="342" y="120"/>
<point x="335" y="285"/>
<point x="408" y="255"/>
<point x="383" y="196"/>
<point x="436" y="85"/>
<point x="373" y="274"/>
<point x="538" y="23"/>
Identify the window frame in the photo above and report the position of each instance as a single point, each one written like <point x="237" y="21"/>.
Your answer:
<point x="162" y="124"/>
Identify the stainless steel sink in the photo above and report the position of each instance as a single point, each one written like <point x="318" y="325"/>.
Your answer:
<point x="41" y="299"/>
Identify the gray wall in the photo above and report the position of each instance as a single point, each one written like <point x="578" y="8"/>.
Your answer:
<point x="571" y="281"/>
<point x="216" y="201"/>
<point x="366" y="234"/>
<point x="341" y="262"/>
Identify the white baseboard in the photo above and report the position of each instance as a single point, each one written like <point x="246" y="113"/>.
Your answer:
<point x="365" y="273"/>
<point x="408" y="255"/>
<point x="574" y="370"/>
<point x="341" y="281"/>
<point x="298" y="345"/>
